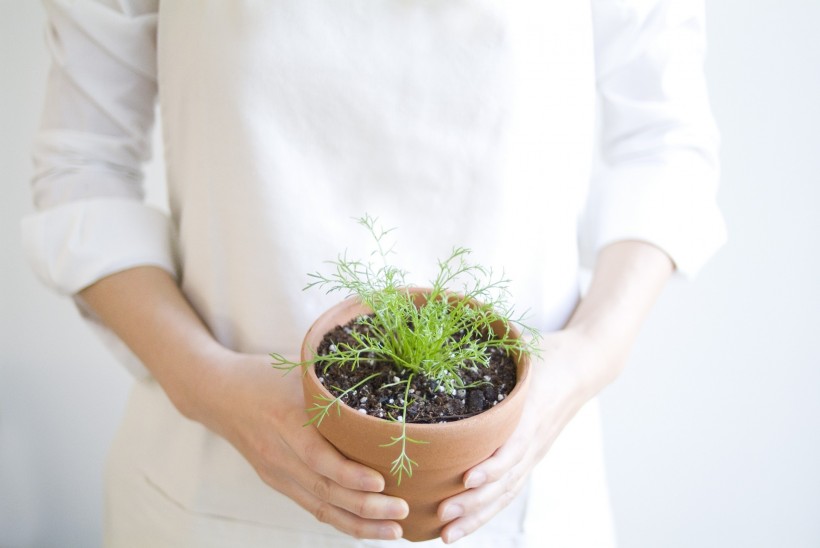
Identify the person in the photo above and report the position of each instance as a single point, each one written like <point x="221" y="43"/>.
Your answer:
<point x="460" y="122"/>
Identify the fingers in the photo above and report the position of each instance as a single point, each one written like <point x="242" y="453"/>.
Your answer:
<point x="526" y="446"/>
<point x="500" y="464"/>
<point x="472" y="509"/>
<point x="321" y="457"/>
<point x="344" y="521"/>
<point x="315" y="452"/>
<point x="492" y="485"/>
<point x="358" y="513"/>
<point x="341" y="483"/>
<point x="492" y="469"/>
<point x="366" y="505"/>
<point x="346" y="483"/>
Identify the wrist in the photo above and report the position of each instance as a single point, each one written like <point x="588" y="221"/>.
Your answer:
<point x="628" y="277"/>
<point x="600" y="360"/>
<point x="195" y="387"/>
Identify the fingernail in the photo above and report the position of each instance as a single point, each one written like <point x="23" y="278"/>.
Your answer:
<point x="453" y="535"/>
<point x="389" y="533"/>
<point x="451" y="512"/>
<point x="368" y="483"/>
<point x="475" y="479"/>
<point x="398" y="510"/>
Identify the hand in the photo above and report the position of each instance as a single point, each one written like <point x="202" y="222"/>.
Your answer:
<point x="575" y="364"/>
<point x="557" y="392"/>
<point x="243" y="399"/>
<point x="262" y="412"/>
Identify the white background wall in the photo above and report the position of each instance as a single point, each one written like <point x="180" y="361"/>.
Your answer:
<point x="712" y="434"/>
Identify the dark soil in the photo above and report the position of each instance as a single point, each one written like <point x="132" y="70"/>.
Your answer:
<point x="430" y="403"/>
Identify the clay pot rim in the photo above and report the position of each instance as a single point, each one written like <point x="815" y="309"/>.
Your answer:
<point x="522" y="378"/>
<point x="460" y="423"/>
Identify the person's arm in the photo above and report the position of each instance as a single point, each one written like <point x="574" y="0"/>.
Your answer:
<point x="653" y="205"/>
<point x="94" y="238"/>
<point x="240" y="397"/>
<point x="575" y="364"/>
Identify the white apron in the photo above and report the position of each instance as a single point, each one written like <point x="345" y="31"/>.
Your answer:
<point x="282" y="120"/>
<point x="461" y="122"/>
<point x="171" y="483"/>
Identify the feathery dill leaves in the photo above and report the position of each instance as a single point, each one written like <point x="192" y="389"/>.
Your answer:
<point x="455" y="328"/>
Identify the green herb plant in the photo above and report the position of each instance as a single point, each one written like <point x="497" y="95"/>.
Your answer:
<point x="451" y="331"/>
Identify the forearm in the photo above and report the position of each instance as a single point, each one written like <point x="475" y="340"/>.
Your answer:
<point x="574" y="365"/>
<point x="146" y="309"/>
<point x="628" y="277"/>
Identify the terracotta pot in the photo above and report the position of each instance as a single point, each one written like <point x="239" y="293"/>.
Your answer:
<point x="452" y="448"/>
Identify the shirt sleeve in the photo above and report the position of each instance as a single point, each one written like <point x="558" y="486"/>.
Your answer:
<point x="94" y="138"/>
<point x="658" y="177"/>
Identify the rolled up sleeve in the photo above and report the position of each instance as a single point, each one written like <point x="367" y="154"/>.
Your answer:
<point x="74" y="244"/>
<point x="659" y="172"/>
<point x="91" y="220"/>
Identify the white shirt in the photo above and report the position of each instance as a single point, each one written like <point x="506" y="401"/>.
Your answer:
<point x="461" y="122"/>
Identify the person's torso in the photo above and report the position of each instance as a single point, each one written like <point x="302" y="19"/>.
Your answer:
<point x="461" y="122"/>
